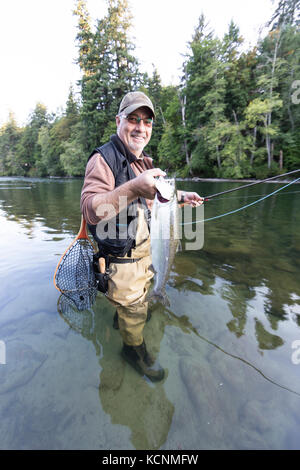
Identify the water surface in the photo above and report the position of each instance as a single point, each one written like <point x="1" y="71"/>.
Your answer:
<point x="227" y="338"/>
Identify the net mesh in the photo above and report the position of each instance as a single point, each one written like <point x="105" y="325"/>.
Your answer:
<point x="75" y="272"/>
<point x="75" y="309"/>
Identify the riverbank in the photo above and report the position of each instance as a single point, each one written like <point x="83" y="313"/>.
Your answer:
<point x="195" y="179"/>
<point x="232" y="180"/>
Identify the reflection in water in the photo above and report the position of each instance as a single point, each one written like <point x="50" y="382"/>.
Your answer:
<point x="55" y="204"/>
<point x="253" y="251"/>
<point x="241" y="291"/>
<point x="265" y="339"/>
<point x="76" y="301"/>
<point x="129" y="399"/>
<point x="187" y="327"/>
<point x="133" y="401"/>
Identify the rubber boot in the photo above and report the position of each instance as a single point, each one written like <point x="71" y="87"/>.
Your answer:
<point x="139" y="358"/>
<point x="116" y="321"/>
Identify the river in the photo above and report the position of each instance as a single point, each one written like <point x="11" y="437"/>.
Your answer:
<point x="230" y="340"/>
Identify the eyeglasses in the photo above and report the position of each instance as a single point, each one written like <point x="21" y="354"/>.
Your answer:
<point x="148" y="122"/>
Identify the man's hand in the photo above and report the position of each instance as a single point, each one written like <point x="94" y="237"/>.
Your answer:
<point x="193" y="199"/>
<point x="144" y="184"/>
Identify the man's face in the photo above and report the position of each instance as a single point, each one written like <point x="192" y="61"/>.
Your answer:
<point x="135" y="135"/>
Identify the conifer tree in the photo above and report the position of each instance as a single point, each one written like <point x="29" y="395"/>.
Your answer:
<point x="286" y="13"/>
<point x="72" y="108"/>
<point x="286" y="19"/>
<point x="29" y="151"/>
<point x="109" y="69"/>
<point x="151" y="85"/>
<point x="205" y="91"/>
<point x="10" y="135"/>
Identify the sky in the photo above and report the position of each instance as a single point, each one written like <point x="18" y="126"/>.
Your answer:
<point x="38" y="47"/>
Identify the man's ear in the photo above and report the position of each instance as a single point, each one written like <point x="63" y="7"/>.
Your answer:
<point x="118" y="119"/>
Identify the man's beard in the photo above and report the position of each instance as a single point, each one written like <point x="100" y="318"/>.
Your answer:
<point x="136" y="146"/>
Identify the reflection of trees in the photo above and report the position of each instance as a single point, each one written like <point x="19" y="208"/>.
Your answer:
<point x="256" y="248"/>
<point x="54" y="203"/>
<point x="265" y="339"/>
<point x="128" y="398"/>
<point x="270" y="340"/>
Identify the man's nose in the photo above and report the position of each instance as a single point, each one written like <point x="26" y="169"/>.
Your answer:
<point x="140" y="125"/>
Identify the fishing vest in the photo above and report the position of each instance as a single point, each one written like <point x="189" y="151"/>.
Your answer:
<point x="123" y="240"/>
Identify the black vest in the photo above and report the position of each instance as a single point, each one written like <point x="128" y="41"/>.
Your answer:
<point x="115" y="237"/>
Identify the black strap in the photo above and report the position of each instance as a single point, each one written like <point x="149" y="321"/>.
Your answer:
<point x="123" y="260"/>
<point x="147" y="212"/>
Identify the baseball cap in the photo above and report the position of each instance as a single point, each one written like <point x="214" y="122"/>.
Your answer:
<point x="134" y="100"/>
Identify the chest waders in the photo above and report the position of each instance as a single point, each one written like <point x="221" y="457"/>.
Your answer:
<point x="115" y="248"/>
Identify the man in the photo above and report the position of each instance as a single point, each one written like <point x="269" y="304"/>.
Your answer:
<point x="120" y="177"/>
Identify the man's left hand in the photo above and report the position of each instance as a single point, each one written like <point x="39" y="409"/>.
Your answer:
<point x="193" y="199"/>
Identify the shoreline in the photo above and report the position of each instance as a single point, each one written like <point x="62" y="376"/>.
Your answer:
<point x="197" y="179"/>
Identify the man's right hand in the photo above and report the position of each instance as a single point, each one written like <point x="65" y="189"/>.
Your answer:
<point x="144" y="184"/>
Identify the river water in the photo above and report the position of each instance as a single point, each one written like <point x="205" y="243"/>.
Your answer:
<point x="230" y="339"/>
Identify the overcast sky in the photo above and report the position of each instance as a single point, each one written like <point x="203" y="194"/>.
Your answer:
<point x="38" y="50"/>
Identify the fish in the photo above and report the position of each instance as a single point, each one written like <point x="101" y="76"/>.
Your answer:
<point x="164" y="237"/>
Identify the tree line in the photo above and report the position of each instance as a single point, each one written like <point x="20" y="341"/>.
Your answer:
<point x="234" y="114"/>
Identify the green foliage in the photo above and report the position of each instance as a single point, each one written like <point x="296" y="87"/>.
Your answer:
<point x="169" y="149"/>
<point x="235" y="113"/>
<point x="10" y="136"/>
<point x="74" y="159"/>
<point x="109" y="68"/>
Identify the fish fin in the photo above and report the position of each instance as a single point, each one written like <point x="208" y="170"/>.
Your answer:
<point x="158" y="296"/>
<point x="179" y="247"/>
<point x="151" y="268"/>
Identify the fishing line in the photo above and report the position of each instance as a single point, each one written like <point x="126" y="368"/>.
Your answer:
<point x="243" y="207"/>
<point x="207" y="198"/>
<point x="248" y="364"/>
<point x="252" y="196"/>
<point x="234" y="356"/>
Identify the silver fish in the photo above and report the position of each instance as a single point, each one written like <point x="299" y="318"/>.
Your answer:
<point x="165" y="236"/>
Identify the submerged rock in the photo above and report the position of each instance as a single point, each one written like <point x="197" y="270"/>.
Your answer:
<point x="265" y="339"/>
<point x="22" y="363"/>
<point x="203" y="390"/>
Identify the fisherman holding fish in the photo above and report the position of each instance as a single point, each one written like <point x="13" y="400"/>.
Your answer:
<point x="120" y="185"/>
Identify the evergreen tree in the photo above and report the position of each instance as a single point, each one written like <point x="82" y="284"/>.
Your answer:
<point x="205" y="95"/>
<point x="72" y="108"/>
<point x="29" y="150"/>
<point x="125" y="73"/>
<point x="171" y="151"/>
<point x="84" y="36"/>
<point x="235" y="113"/>
<point x="286" y="18"/>
<point x="73" y="157"/>
<point x="286" y="13"/>
<point x="53" y="138"/>
<point x="278" y="61"/>
<point x="152" y="87"/>
<point x="9" y="137"/>
<point x="108" y="66"/>
<point x="237" y="74"/>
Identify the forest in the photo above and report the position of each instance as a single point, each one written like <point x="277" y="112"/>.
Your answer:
<point x="234" y="114"/>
